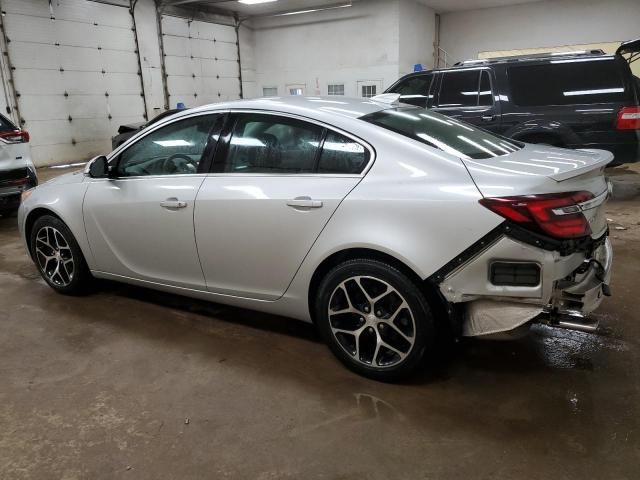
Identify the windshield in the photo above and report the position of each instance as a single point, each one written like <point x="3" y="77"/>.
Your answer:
<point x="444" y="133"/>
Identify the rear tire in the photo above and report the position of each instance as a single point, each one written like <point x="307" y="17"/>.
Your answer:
<point x="375" y="319"/>
<point x="58" y="257"/>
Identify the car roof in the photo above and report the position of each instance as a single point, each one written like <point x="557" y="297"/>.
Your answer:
<point x="309" y="106"/>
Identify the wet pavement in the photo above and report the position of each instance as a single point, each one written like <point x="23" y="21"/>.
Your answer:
<point x="130" y="383"/>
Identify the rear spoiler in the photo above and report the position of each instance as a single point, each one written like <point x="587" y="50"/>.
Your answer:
<point x="601" y="157"/>
<point x="632" y="48"/>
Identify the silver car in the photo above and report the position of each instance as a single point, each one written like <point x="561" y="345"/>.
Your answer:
<point x="380" y="222"/>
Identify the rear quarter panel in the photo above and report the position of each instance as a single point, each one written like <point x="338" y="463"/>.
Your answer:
<point x="417" y="204"/>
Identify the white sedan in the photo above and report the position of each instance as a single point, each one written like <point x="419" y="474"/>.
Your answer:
<point x="379" y="222"/>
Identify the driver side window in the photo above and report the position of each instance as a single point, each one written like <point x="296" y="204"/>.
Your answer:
<point x="171" y="150"/>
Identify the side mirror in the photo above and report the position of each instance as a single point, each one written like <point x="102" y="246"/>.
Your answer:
<point x="98" y="167"/>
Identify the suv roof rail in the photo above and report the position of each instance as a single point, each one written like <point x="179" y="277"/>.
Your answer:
<point x="533" y="56"/>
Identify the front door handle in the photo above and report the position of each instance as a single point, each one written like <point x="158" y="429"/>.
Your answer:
<point x="488" y="118"/>
<point x="304" y="202"/>
<point x="173" y="203"/>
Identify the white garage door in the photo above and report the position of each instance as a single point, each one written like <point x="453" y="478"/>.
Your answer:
<point x="76" y="76"/>
<point x="200" y="61"/>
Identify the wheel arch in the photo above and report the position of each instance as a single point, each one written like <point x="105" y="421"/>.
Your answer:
<point x="431" y="292"/>
<point x="559" y="133"/>
<point x="31" y="219"/>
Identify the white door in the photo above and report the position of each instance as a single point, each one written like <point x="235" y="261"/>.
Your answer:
<point x="200" y="61"/>
<point x="76" y="75"/>
<point x="140" y="223"/>
<point x="272" y="193"/>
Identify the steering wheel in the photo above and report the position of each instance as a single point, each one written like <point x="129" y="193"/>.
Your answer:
<point x="178" y="163"/>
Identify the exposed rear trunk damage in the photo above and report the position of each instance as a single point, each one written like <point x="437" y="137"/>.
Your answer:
<point x="574" y="272"/>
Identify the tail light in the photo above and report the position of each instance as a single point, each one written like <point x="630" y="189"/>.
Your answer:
<point x="628" y="118"/>
<point x="15" y="136"/>
<point x="557" y="215"/>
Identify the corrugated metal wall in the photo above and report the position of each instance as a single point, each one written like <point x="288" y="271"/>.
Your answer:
<point x="200" y="61"/>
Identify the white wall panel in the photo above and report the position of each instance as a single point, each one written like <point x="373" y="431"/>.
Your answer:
<point x="542" y="24"/>
<point x="83" y="65"/>
<point x="201" y="61"/>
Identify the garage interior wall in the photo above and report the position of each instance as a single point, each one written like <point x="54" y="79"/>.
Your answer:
<point x="72" y="77"/>
<point x="549" y="23"/>
<point x="354" y="47"/>
<point x="248" y="62"/>
<point x="367" y="46"/>
<point x="74" y="73"/>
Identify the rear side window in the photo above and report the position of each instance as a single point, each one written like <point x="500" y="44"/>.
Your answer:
<point x="271" y="144"/>
<point x="459" y="89"/>
<point x="340" y="154"/>
<point x="567" y="82"/>
<point x="443" y="133"/>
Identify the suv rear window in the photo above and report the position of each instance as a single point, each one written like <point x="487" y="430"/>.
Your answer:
<point x="567" y="82"/>
<point x="443" y="133"/>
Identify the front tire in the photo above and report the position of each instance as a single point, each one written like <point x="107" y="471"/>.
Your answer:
<point x="375" y="319"/>
<point x="58" y="257"/>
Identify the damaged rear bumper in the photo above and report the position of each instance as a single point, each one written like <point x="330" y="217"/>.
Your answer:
<point x="552" y="284"/>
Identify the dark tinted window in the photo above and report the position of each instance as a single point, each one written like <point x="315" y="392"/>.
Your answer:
<point x="485" y="96"/>
<point x="444" y="133"/>
<point x="271" y="144"/>
<point x="459" y="89"/>
<point x="342" y="155"/>
<point x="414" y="87"/>
<point x="415" y="90"/>
<point x="567" y="82"/>
<point x="6" y="124"/>
<point x="174" y="149"/>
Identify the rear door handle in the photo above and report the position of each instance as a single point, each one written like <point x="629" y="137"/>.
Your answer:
<point x="488" y="118"/>
<point x="173" y="203"/>
<point x="304" y="202"/>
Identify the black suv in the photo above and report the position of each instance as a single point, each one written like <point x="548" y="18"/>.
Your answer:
<point x="574" y="99"/>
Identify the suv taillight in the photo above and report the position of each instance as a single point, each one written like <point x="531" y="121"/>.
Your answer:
<point x="15" y="136"/>
<point x="557" y="215"/>
<point x="628" y="118"/>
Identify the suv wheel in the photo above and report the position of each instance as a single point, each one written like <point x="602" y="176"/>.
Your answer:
<point x="58" y="256"/>
<point x="375" y="319"/>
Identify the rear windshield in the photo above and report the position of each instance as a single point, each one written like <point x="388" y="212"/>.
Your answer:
<point x="568" y="82"/>
<point x="443" y="133"/>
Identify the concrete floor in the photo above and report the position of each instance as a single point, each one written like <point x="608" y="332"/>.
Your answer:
<point x="128" y="383"/>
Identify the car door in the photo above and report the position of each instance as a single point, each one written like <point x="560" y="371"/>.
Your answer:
<point x="140" y="222"/>
<point x="276" y="183"/>
<point x="466" y="94"/>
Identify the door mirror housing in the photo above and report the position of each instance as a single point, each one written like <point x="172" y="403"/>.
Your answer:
<point x="98" y="168"/>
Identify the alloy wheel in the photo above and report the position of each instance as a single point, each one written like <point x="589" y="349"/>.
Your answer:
<point x="54" y="256"/>
<point x="372" y="321"/>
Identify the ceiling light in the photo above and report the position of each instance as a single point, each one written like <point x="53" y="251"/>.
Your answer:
<point x="319" y="9"/>
<point x="253" y="2"/>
